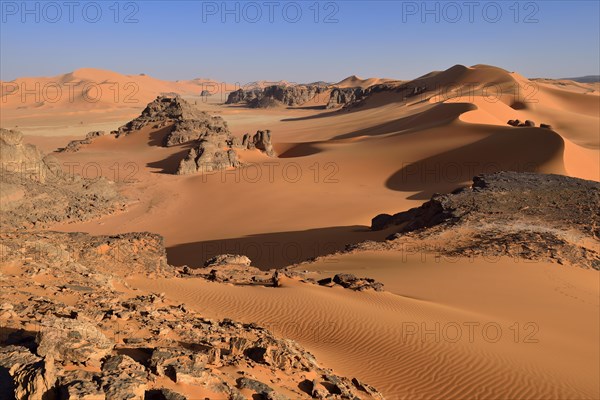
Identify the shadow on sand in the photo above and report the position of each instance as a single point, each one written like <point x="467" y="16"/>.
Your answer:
<point x="275" y="250"/>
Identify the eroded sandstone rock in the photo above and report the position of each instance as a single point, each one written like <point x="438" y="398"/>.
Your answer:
<point x="72" y="341"/>
<point x="29" y="377"/>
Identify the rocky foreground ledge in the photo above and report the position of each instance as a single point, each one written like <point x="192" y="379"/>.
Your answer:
<point x="71" y="328"/>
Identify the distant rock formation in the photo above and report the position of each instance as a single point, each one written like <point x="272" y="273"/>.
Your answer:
<point x="355" y="96"/>
<point x="342" y="96"/>
<point x="276" y="95"/>
<point x="243" y="96"/>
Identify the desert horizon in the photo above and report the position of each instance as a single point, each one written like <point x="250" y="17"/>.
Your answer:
<point x="422" y="227"/>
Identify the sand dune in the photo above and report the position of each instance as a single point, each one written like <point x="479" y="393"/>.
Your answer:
<point x="382" y="337"/>
<point x="87" y="96"/>
<point x="397" y="153"/>
<point x="355" y="81"/>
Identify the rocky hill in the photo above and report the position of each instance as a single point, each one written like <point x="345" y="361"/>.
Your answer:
<point x="527" y="215"/>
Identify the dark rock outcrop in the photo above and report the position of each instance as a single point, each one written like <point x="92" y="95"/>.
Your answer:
<point x="528" y="123"/>
<point x="526" y="215"/>
<point x="350" y="281"/>
<point x="228" y="259"/>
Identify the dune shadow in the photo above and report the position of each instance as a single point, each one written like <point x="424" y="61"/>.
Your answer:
<point x="316" y="116"/>
<point x="157" y="137"/>
<point x="512" y="149"/>
<point x="440" y="114"/>
<point x="275" y="250"/>
<point x="170" y="164"/>
<point x="316" y="108"/>
<point x="300" y="150"/>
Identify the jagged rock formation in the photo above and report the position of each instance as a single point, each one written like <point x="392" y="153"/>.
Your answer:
<point x="107" y="345"/>
<point x="215" y="152"/>
<point x="275" y="95"/>
<point x="208" y="156"/>
<point x="75" y="145"/>
<point x="243" y="96"/>
<point x="214" y="146"/>
<point x="237" y="270"/>
<point x="261" y="141"/>
<point x="31" y="377"/>
<point x="528" y="215"/>
<point x="28" y="178"/>
<point x="342" y="96"/>
<point x="23" y="159"/>
<point x="64" y="339"/>
<point x="188" y="123"/>
<point x="162" y="109"/>
<point x="188" y="130"/>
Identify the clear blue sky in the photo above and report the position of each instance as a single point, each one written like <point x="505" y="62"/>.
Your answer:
<point x="188" y="39"/>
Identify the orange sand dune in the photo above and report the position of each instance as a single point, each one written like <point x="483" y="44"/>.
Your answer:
<point x="396" y="155"/>
<point x="446" y="328"/>
<point x="88" y="95"/>
<point x="355" y="81"/>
